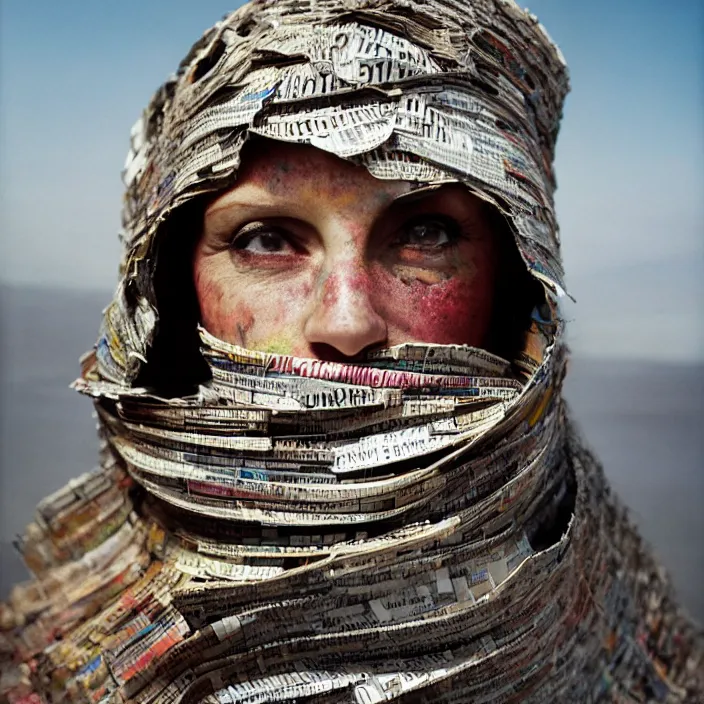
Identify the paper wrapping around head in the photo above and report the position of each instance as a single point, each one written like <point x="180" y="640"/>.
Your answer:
<point x="431" y="91"/>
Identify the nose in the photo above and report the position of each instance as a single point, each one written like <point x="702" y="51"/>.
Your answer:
<point x="344" y="316"/>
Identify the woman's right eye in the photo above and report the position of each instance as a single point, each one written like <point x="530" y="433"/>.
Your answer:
<point x="262" y="241"/>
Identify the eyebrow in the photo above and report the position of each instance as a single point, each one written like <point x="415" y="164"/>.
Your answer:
<point x="418" y="194"/>
<point x="418" y="198"/>
<point x="229" y="204"/>
<point x="422" y="192"/>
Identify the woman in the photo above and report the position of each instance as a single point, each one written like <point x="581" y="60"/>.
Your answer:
<point x="356" y="480"/>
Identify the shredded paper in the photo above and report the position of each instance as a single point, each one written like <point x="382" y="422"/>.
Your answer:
<point x="422" y="526"/>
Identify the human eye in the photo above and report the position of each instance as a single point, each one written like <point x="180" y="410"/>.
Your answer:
<point x="429" y="232"/>
<point x="262" y="239"/>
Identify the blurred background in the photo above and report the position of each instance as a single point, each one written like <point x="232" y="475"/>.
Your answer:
<point x="74" y="76"/>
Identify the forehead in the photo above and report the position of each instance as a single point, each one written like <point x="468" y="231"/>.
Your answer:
<point x="278" y="166"/>
<point x="303" y="178"/>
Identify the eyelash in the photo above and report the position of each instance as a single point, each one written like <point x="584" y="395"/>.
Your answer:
<point x="246" y="234"/>
<point x="452" y="227"/>
<point x="454" y="230"/>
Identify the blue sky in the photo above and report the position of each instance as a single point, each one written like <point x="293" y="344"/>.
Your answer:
<point x="75" y="75"/>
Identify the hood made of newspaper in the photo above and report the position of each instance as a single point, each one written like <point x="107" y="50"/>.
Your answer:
<point x="422" y="526"/>
<point x="429" y="92"/>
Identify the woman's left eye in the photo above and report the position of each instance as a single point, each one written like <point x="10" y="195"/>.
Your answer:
<point x="430" y="232"/>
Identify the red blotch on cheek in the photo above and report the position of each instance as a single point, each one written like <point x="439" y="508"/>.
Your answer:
<point x="447" y="313"/>
<point x="455" y="311"/>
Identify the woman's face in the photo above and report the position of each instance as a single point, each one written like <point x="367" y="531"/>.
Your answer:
<point x="312" y="256"/>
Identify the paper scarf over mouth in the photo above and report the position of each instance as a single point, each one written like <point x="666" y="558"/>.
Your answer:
<point x="421" y="527"/>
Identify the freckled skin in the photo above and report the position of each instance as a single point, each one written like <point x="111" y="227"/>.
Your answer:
<point x="346" y="262"/>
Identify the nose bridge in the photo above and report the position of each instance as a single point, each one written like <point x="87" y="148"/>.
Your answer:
<point x="347" y="282"/>
<point x="345" y="296"/>
<point x="344" y="285"/>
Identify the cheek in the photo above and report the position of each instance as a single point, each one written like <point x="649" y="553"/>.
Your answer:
<point x="455" y="309"/>
<point x="452" y="312"/>
<point x="223" y="311"/>
<point x="246" y="312"/>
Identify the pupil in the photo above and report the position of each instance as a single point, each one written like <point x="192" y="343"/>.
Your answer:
<point x="426" y="233"/>
<point x="270" y="242"/>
